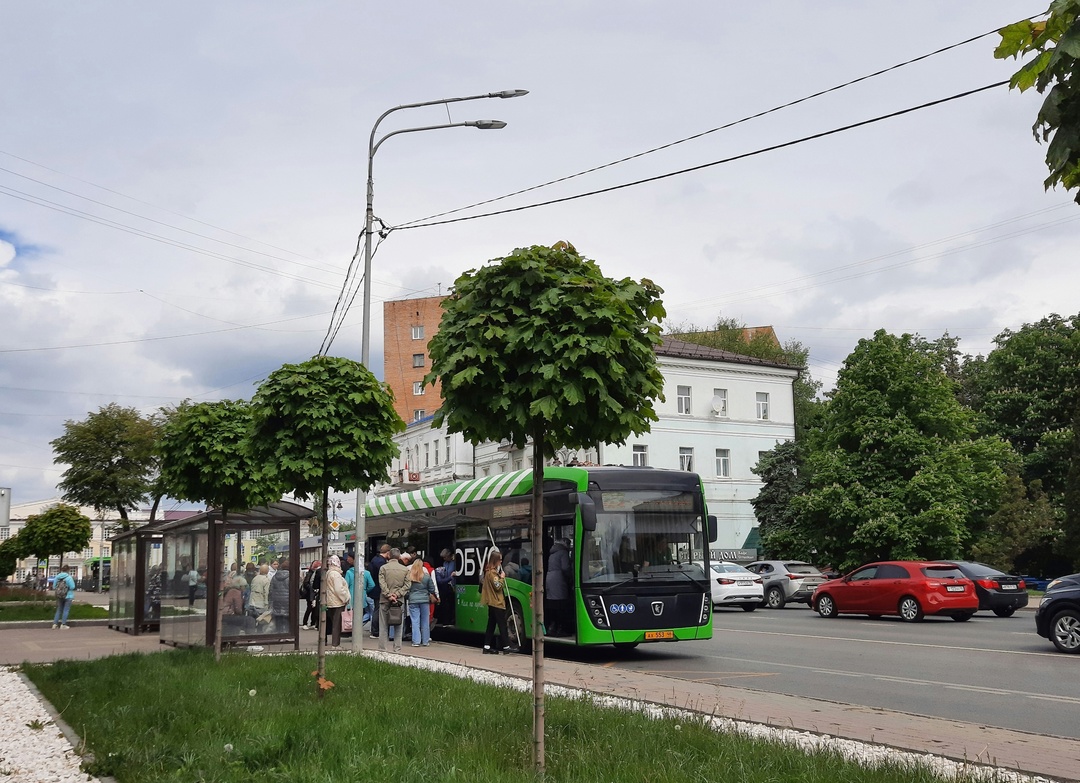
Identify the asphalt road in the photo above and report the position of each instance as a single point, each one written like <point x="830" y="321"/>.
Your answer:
<point x="989" y="670"/>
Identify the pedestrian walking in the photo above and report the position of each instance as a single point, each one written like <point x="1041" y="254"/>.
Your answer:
<point x="64" y="589"/>
<point x="421" y="595"/>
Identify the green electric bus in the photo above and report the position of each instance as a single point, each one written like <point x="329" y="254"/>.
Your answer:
<point x="638" y="538"/>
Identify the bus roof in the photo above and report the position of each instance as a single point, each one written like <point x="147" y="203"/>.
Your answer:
<point x="520" y="482"/>
<point x="501" y="485"/>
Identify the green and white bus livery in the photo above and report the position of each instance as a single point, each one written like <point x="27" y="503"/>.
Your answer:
<point x="638" y="537"/>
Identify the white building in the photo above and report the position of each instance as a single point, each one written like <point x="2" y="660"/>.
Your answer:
<point x="722" y="410"/>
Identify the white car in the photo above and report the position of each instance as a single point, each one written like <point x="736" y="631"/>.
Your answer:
<point x="733" y="585"/>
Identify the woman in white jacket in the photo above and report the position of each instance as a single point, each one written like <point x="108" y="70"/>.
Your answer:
<point x="337" y="596"/>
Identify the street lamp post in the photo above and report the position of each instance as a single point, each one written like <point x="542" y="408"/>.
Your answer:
<point x="369" y="219"/>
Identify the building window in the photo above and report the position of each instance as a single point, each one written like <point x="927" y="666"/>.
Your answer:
<point x="87" y="553"/>
<point x="763" y="406"/>
<point x="719" y="402"/>
<point x="641" y="456"/>
<point x="5" y="533"/>
<point x="683" y="395"/>
<point x="447" y="451"/>
<point x="723" y="463"/>
<point x="417" y="415"/>
<point x="517" y="464"/>
<point x="435" y="449"/>
<point x="427" y="455"/>
<point x="418" y="388"/>
<point x="686" y="458"/>
<point x="418" y="360"/>
<point x="418" y="332"/>
<point x="105" y="551"/>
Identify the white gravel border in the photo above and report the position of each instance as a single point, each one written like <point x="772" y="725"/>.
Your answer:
<point x="45" y="755"/>
<point x="27" y="754"/>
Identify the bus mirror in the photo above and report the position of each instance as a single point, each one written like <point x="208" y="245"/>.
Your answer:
<point x="588" y="509"/>
<point x="712" y="527"/>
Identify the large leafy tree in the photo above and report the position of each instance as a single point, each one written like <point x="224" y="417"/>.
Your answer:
<point x="10" y="554"/>
<point x="1054" y="43"/>
<point x="1024" y="521"/>
<point x="326" y="423"/>
<point x="783" y="479"/>
<point x="56" y="530"/>
<point x="897" y="470"/>
<point x="204" y="459"/>
<point x="1028" y="392"/>
<point x="541" y="346"/>
<point x="111" y="460"/>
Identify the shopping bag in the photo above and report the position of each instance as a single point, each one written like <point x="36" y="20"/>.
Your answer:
<point x="346" y="619"/>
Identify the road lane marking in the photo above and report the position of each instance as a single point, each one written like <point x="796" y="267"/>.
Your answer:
<point x="803" y="637"/>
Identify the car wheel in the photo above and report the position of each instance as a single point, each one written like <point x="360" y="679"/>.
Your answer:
<point x="826" y="606"/>
<point x="749" y="607"/>
<point x="1065" y="631"/>
<point x="1005" y="611"/>
<point x="963" y="618"/>
<point x="910" y="611"/>
<point x="774" y="599"/>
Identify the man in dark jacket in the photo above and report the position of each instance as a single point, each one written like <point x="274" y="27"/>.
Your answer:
<point x="281" y="597"/>
<point x="558" y="590"/>
<point x="376" y="563"/>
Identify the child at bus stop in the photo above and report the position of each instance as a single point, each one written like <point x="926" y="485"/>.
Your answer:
<point x="492" y="596"/>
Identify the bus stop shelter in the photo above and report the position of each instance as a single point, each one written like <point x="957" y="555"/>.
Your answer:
<point x="213" y="564"/>
<point x="136" y="580"/>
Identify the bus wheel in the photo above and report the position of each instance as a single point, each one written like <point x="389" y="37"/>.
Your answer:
<point x="515" y="626"/>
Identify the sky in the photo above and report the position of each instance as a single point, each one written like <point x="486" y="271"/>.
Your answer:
<point x="182" y="186"/>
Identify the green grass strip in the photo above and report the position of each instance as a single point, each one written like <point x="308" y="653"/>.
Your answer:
<point x="28" y="612"/>
<point x="176" y="716"/>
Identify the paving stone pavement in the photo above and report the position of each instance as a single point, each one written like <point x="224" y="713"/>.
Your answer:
<point x="1052" y="757"/>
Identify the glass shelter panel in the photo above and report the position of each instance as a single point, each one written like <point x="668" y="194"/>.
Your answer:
<point x="122" y="584"/>
<point x="185" y="563"/>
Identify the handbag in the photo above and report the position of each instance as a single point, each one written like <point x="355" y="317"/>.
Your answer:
<point x="346" y="619"/>
<point x="393" y="612"/>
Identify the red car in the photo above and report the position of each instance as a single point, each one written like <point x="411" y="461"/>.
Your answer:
<point x="910" y="589"/>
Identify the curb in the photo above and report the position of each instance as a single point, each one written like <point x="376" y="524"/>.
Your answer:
<point x="69" y="733"/>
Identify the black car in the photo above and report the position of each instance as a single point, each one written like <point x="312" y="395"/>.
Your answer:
<point x="998" y="592"/>
<point x="1058" y="615"/>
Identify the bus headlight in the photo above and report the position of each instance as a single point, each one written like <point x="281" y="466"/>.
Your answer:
<point x="597" y="611"/>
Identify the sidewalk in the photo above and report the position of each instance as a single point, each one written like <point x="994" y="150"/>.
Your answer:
<point x="1052" y="757"/>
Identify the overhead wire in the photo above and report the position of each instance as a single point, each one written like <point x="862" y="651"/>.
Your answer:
<point x="702" y="134"/>
<point x="702" y="166"/>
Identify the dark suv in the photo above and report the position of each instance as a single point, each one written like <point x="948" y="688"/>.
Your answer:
<point x="1058" y="615"/>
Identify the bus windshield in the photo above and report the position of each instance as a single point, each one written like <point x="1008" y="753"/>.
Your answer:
<point x="643" y="533"/>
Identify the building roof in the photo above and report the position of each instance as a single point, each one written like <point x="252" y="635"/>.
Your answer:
<point x="680" y="349"/>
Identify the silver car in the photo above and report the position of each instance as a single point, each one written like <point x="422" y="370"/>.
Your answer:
<point x="787" y="581"/>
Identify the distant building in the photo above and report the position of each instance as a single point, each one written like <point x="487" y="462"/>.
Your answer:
<point x="80" y="562"/>
<point x="722" y="411"/>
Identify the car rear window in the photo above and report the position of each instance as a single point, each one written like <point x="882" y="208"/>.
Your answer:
<point x="979" y="570"/>
<point x="802" y="568"/>
<point x="732" y="568"/>
<point x="943" y="572"/>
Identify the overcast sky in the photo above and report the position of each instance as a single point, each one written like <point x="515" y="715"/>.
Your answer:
<point x="182" y="185"/>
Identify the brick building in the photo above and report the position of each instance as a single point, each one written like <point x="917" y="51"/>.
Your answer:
<point x="408" y="325"/>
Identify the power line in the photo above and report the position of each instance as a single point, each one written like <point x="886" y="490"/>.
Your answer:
<point x="725" y="126"/>
<point x="147" y="203"/>
<point x="28" y="197"/>
<point x="701" y="166"/>
<point x="169" y="225"/>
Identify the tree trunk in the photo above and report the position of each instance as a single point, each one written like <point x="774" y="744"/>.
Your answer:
<point x="324" y="553"/>
<point x="222" y="566"/>
<point x="537" y="535"/>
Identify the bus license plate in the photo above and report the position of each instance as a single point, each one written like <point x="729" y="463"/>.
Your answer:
<point x="651" y="635"/>
<point x="954" y="588"/>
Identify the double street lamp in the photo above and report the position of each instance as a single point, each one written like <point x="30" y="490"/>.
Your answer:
<point x="373" y="146"/>
<point x="369" y="218"/>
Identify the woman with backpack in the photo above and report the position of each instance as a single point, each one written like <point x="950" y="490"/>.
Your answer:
<point x="65" y="592"/>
